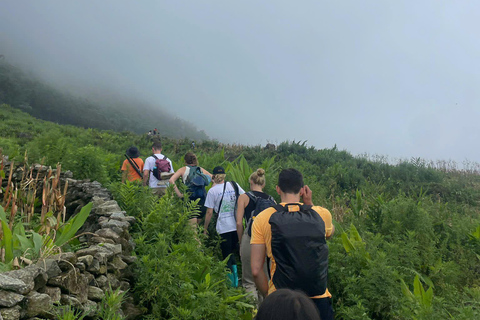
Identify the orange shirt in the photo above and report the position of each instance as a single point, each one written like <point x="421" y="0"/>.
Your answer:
<point x="132" y="174"/>
<point x="262" y="234"/>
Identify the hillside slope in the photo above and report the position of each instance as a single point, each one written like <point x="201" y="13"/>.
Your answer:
<point x="44" y="101"/>
<point x="407" y="242"/>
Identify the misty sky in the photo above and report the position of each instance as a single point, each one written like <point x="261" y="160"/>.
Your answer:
<point x="398" y="78"/>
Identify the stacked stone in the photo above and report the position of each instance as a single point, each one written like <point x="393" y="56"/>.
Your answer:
<point x="78" y="279"/>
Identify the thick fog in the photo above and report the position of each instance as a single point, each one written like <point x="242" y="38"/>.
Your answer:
<point x="398" y="78"/>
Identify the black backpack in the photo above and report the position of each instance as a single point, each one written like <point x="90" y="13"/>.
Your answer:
<point x="260" y="205"/>
<point x="300" y="249"/>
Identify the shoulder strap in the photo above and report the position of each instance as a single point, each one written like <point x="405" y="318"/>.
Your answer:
<point x="221" y="200"/>
<point x="155" y="156"/>
<point x="134" y="165"/>
<point x="164" y="157"/>
<point x="235" y="187"/>
<point x="252" y="197"/>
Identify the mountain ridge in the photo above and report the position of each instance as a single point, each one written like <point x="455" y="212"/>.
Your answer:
<point x="45" y="101"/>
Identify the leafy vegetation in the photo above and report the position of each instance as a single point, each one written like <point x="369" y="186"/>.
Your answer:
<point x="31" y="230"/>
<point x="407" y="244"/>
<point x="177" y="276"/>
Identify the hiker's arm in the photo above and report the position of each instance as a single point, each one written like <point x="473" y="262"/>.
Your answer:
<point x="208" y="217"/>
<point x="174" y="178"/>
<point x="257" y="261"/>
<point x="206" y="172"/>
<point x="307" y="195"/>
<point x="242" y="204"/>
<point x="146" y="175"/>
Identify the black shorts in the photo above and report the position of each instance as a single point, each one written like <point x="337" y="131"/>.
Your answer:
<point x="324" y="306"/>
<point x="200" y="215"/>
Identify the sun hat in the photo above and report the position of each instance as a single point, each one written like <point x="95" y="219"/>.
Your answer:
<point x="132" y="152"/>
<point x="218" y="170"/>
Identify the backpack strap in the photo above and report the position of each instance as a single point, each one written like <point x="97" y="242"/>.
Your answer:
<point x="221" y="200"/>
<point x="134" y="165"/>
<point x="252" y="197"/>
<point x="279" y="208"/>
<point x="154" y="156"/>
<point x="237" y="194"/>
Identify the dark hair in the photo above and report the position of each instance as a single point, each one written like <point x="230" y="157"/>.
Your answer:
<point x="191" y="159"/>
<point x="290" y="180"/>
<point x="157" y="145"/>
<point x="286" y="304"/>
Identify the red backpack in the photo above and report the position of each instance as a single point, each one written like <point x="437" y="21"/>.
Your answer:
<point x="161" y="165"/>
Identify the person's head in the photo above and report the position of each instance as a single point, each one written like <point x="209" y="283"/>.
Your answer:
<point x="218" y="175"/>
<point x="191" y="159"/>
<point x="132" y="152"/>
<point x="290" y="181"/>
<point x="258" y="177"/>
<point x="286" y="304"/>
<point x="157" y="147"/>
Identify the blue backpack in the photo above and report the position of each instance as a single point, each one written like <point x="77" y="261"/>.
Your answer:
<point x="196" y="182"/>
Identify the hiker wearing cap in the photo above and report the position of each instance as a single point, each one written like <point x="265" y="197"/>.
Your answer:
<point x="222" y="198"/>
<point x="293" y="235"/>
<point x="157" y="170"/>
<point x="196" y="179"/>
<point x="132" y="167"/>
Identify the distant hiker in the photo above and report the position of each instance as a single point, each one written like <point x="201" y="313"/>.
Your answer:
<point x="132" y="167"/>
<point x="150" y="133"/>
<point x="155" y="131"/>
<point x="250" y="204"/>
<point x="223" y="198"/>
<point x="157" y="170"/>
<point x="293" y="235"/>
<point x="286" y="304"/>
<point x="196" y="179"/>
<point x="193" y="145"/>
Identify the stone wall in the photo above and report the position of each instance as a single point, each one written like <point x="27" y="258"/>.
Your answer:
<point x="78" y="279"/>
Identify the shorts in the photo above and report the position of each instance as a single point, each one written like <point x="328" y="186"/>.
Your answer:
<point x="160" y="192"/>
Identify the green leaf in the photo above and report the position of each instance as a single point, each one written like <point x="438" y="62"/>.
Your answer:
<point x="68" y="230"/>
<point x="418" y="288"/>
<point x="428" y="298"/>
<point x="347" y="244"/>
<point x="207" y="280"/>
<point x="354" y="234"/>
<point x="37" y="242"/>
<point x="25" y="243"/>
<point x="405" y="290"/>
<point x="7" y="241"/>
<point x="3" y="216"/>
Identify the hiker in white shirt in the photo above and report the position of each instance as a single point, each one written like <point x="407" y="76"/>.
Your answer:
<point x="158" y="187"/>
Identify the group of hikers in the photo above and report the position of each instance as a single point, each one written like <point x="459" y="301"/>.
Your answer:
<point x="281" y="246"/>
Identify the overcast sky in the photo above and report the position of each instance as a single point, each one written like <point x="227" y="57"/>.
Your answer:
<point x="397" y="78"/>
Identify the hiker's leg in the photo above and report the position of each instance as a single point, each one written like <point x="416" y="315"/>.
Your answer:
<point x="226" y="247"/>
<point x="247" y="277"/>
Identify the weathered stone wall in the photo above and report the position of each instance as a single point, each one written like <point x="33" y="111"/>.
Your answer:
<point x="78" y="279"/>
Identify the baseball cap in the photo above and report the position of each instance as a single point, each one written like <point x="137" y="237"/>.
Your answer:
<point x="218" y="170"/>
